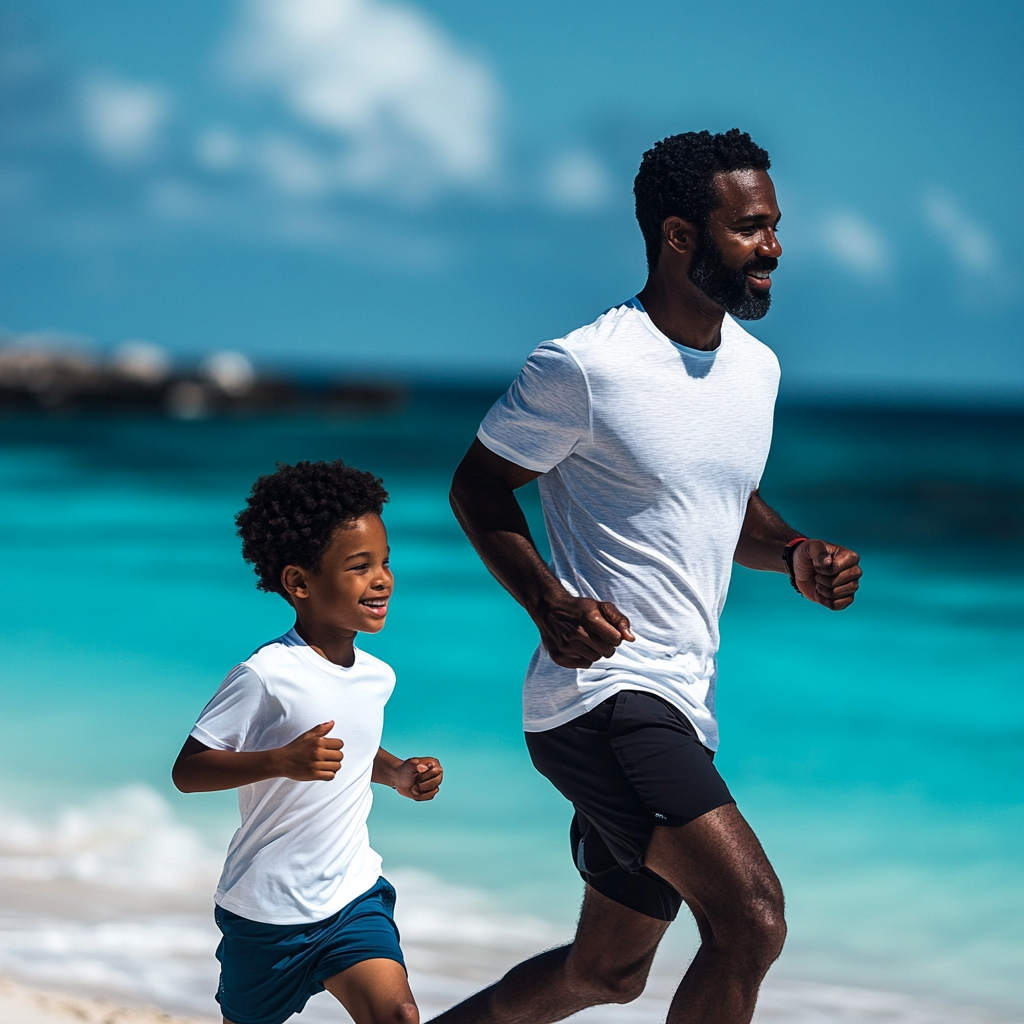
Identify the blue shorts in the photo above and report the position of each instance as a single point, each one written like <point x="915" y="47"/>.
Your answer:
<point x="268" y="971"/>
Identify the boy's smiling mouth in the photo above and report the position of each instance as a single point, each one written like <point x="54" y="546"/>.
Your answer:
<point x="377" y="606"/>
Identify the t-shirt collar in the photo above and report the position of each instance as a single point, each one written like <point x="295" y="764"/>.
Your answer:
<point x="694" y="353"/>
<point x="292" y="639"/>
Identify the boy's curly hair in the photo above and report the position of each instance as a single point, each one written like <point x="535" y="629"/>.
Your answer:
<point x="291" y="515"/>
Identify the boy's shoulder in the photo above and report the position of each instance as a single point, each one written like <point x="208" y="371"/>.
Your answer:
<point x="371" y="664"/>
<point x="274" y="650"/>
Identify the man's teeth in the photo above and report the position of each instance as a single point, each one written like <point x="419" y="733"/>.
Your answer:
<point x="761" y="275"/>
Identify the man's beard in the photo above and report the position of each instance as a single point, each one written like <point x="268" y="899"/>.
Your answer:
<point x="727" y="287"/>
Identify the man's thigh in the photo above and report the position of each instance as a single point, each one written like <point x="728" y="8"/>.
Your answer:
<point x="627" y="765"/>
<point x="716" y="863"/>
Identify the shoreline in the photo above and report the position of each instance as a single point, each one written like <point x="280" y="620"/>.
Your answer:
<point x="20" y="1004"/>
<point x="105" y="918"/>
<point x="782" y="1002"/>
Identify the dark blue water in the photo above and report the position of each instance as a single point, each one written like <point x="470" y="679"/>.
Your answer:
<point x="878" y="752"/>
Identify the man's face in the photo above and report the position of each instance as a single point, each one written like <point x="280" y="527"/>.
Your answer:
<point x="737" y="250"/>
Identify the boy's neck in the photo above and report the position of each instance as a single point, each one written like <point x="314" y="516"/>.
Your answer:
<point x="336" y="645"/>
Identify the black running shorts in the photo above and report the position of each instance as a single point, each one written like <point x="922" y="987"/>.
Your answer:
<point x="631" y="763"/>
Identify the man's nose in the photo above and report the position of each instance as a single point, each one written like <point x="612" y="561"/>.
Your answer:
<point x="770" y="245"/>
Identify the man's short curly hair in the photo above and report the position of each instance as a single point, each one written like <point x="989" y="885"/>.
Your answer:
<point x="676" y="179"/>
<point x="291" y="515"/>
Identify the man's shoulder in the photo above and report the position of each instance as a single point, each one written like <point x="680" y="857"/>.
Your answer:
<point x="741" y="336"/>
<point x="754" y="349"/>
<point x="589" y="343"/>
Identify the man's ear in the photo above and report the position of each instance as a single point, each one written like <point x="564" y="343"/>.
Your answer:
<point x="293" y="580"/>
<point x="679" y="236"/>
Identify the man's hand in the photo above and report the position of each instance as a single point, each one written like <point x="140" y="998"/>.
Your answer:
<point x="311" y="757"/>
<point x="419" y="778"/>
<point x="827" y="573"/>
<point x="577" y="631"/>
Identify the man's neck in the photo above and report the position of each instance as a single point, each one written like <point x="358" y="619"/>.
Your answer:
<point x="682" y="312"/>
<point x="336" y="645"/>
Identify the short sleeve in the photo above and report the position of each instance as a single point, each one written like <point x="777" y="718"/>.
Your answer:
<point x="232" y="716"/>
<point x="544" y="415"/>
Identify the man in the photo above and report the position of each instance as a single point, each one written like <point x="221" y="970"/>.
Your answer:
<point x="649" y="430"/>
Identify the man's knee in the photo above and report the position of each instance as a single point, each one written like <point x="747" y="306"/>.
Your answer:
<point x="604" y="984"/>
<point x="758" y="924"/>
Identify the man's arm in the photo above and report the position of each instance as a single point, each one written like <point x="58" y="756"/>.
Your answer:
<point x="825" y="573"/>
<point x="313" y="756"/>
<point x="575" y="631"/>
<point x="418" y="778"/>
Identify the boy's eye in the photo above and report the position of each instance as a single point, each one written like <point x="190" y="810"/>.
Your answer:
<point x="358" y="568"/>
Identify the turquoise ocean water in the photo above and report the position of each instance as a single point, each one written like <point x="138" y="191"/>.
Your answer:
<point x="878" y="752"/>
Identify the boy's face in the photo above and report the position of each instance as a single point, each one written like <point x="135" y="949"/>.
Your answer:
<point x="352" y="589"/>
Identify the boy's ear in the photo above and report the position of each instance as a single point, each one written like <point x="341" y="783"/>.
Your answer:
<point x="293" y="580"/>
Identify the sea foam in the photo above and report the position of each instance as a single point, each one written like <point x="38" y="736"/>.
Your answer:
<point x="113" y="898"/>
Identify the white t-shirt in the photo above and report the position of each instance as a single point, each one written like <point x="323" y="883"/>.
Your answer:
<point x="302" y="851"/>
<point x="649" y="453"/>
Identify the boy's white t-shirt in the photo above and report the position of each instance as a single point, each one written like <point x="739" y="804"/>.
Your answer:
<point x="649" y="453"/>
<point x="302" y="851"/>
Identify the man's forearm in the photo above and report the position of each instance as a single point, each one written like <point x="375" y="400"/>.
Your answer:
<point x="208" y="771"/>
<point x="763" y="537"/>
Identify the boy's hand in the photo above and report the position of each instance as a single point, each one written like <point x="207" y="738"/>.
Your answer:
<point x="312" y="756"/>
<point x="419" y="778"/>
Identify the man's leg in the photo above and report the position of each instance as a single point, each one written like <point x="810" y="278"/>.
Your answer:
<point x="375" y="992"/>
<point x="607" y="962"/>
<point x="718" y="866"/>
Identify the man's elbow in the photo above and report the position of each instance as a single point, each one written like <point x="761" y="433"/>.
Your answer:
<point x="458" y="492"/>
<point x="180" y="778"/>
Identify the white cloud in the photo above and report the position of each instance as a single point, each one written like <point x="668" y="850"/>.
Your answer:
<point x="218" y="149"/>
<point x="176" y="199"/>
<point x="855" y="243"/>
<point x="123" y="120"/>
<point x="970" y="242"/>
<point x="577" y="181"/>
<point x="409" y="105"/>
<point x="292" y="167"/>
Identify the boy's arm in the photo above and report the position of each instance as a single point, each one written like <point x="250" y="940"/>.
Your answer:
<point x="418" y="778"/>
<point x="310" y="757"/>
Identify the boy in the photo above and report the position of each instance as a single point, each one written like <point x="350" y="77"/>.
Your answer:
<point x="296" y="729"/>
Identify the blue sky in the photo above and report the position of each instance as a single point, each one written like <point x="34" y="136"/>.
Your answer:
<point x="432" y="188"/>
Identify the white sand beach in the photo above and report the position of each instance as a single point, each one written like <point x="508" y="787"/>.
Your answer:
<point x="791" y="1002"/>
<point x="22" y="1005"/>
